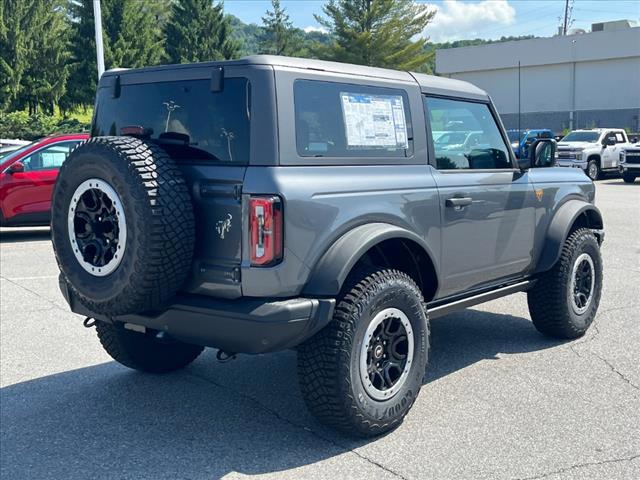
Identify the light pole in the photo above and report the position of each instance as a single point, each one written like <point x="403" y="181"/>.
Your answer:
<point x="572" y="113"/>
<point x="97" y="20"/>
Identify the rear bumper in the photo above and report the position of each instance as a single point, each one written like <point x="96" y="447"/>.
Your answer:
<point x="246" y="325"/>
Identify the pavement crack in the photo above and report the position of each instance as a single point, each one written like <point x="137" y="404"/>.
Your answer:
<point x="580" y="465"/>
<point x="306" y="429"/>
<point x="573" y="347"/>
<point x="616" y="371"/>
<point x="50" y="302"/>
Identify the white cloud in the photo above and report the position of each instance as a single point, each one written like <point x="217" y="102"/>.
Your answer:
<point x="311" y="28"/>
<point x="457" y="20"/>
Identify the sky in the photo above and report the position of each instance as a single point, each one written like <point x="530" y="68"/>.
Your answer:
<point x="461" y="19"/>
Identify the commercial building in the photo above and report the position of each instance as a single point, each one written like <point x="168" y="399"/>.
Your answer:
<point x="584" y="80"/>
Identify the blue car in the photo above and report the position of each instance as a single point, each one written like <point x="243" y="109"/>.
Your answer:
<point x="521" y="142"/>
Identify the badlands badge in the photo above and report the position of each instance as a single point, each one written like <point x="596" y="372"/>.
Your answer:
<point x="539" y="194"/>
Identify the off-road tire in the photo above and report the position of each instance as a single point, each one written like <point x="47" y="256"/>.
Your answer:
<point x="550" y="300"/>
<point x="159" y="221"/>
<point x="594" y="166"/>
<point x="328" y="362"/>
<point x="629" y="177"/>
<point x="144" y="351"/>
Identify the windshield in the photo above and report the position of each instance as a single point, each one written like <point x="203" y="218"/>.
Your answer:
<point x="591" y="137"/>
<point x="189" y="120"/>
<point x="15" y="153"/>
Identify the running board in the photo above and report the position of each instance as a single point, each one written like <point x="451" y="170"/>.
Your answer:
<point x="456" y="305"/>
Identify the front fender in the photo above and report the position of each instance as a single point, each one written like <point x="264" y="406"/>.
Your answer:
<point x="330" y="272"/>
<point x="560" y="226"/>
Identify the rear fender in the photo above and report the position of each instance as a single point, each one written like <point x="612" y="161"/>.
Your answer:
<point x="330" y="272"/>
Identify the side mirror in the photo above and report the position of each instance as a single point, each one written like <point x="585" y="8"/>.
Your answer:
<point x="542" y="153"/>
<point x="16" y="168"/>
<point x="607" y="142"/>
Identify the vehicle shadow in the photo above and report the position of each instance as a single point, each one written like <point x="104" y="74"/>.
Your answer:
<point x="209" y="420"/>
<point x="13" y="235"/>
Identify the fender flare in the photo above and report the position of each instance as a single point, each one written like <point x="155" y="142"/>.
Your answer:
<point x="330" y="272"/>
<point x="560" y="226"/>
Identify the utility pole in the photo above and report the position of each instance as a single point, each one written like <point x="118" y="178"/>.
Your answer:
<point x="565" y="24"/>
<point x="97" y="20"/>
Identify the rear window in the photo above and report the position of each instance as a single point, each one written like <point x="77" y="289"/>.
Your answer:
<point x="189" y="120"/>
<point x="347" y="120"/>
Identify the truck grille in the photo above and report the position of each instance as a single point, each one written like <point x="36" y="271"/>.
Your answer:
<point x="566" y="154"/>
<point x="632" y="156"/>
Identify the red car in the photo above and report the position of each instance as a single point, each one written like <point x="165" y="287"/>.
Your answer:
<point x="27" y="177"/>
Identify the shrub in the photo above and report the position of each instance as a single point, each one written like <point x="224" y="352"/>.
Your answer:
<point x="31" y="127"/>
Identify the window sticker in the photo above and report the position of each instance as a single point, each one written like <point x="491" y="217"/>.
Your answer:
<point x="619" y="137"/>
<point x="374" y="121"/>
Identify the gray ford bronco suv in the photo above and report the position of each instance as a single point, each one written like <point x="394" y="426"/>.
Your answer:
<point x="271" y="203"/>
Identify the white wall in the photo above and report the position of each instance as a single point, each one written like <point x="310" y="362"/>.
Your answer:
<point x="540" y="51"/>
<point x="600" y="85"/>
<point x="608" y="84"/>
<point x="607" y="71"/>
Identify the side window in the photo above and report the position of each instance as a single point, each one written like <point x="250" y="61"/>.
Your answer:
<point x="49" y="158"/>
<point x="347" y="120"/>
<point x="465" y="136"/>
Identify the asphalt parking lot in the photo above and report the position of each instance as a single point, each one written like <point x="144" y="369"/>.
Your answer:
<point x="500" y="401"/>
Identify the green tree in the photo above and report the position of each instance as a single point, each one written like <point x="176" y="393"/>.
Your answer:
<point x="278" y="31"/>
<point x="13" y="14"/>
<point x="199" y="31"/>
<point x="376" y="32"/>
<point x="132" y="37"/>
<point x="33" y="54"/>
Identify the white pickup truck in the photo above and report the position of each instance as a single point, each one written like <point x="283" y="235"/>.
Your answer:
<point x="630" y="163"/>
<point x="595" y="151"/>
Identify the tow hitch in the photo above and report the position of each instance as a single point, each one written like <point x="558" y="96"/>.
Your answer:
<point x="224" y="357"/>
<point x="89" y="322"/>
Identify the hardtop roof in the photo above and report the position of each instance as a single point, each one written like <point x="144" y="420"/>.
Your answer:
<point x="427" y="83"/>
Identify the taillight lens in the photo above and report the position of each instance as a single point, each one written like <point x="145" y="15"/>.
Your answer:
<point x="265" y="230"/>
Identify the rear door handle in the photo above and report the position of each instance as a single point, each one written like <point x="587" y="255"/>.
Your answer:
<point x="458" y="202"/>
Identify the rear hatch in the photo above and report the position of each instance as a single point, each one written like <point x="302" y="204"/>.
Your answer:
<point x="203" y="124"/>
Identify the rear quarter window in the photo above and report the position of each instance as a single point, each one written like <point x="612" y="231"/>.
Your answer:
<point x="189" y="120"/>
<point x="347" y="120"/>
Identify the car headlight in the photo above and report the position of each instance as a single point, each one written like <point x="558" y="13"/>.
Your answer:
<point x="622" y="157"/>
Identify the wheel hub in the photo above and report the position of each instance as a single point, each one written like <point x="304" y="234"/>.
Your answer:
<point x="97" y="227"/>
<point x="386" y="354"/>
<point x="582" y="283"/>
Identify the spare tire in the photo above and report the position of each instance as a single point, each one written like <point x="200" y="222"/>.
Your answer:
<point x="122" y="225"/>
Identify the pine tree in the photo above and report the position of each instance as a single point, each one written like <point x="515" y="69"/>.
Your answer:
<point x="135" y="39"/>
<point x="376" y="32"/>
<point x="12" y="50"/>
<point x="198" y="31"/>
<point x="34" y="48"/>
<point x="278" y="31"/>
<point x="132" y="37"/>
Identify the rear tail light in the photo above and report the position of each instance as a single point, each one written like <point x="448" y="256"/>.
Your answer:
<point x="265" y="230"/>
